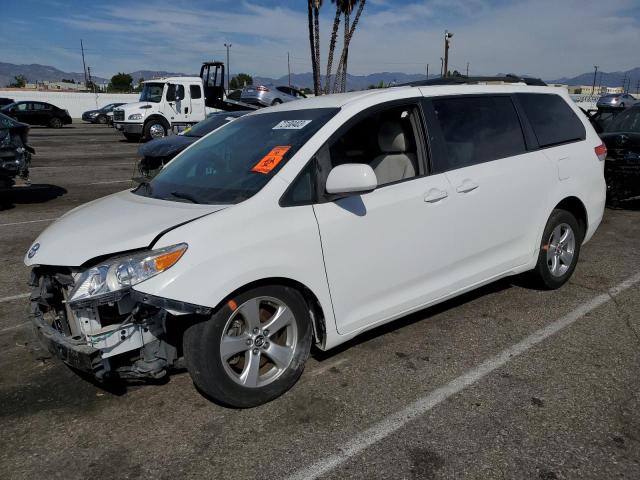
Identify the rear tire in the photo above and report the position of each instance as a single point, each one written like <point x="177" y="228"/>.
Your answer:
<point x="253" y="349"/>
<point x="55" y="122"/>
<point x="559" y="250"/>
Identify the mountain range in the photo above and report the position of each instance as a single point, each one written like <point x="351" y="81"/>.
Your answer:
<point x="38" y="73"/>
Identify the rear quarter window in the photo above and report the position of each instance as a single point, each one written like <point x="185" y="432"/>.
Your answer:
<point x="552" y="120"/>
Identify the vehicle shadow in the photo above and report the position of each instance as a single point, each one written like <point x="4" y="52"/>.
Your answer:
<point x="632" y="204"/>
<point x="419" y="316"/>
<point x="36" y="193"/>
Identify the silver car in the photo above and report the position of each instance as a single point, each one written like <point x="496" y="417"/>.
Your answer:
<point x="616" y="100"/>
<point x="267" y="95"/>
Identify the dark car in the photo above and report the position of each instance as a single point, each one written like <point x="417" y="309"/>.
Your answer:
<point x="622" y="166"/>
<point x="37" y="113"/>
<point x="15" y="152"/>
<point x="602" y="117"/>
<point x="6" y="101"/>
<point x="156" y="153"/>
<point x="100" y="115"/>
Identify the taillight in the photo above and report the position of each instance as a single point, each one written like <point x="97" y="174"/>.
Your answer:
<point x="262" y="89"/>
<point x="601" y="152"/>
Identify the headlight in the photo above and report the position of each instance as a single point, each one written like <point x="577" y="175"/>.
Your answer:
<point x="93" y="114"/>
<point x="124" y="272"/>
<point x="135" y="116"/>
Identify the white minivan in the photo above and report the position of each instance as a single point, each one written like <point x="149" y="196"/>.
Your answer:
<point x="311" y="222"/>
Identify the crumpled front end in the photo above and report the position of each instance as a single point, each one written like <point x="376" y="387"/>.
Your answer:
<point x="15" y="157"/>
<point x="125" y="335"/>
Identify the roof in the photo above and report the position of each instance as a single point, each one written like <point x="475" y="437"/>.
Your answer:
<point x="340" y="100"/>
<point x="174" y="79"/>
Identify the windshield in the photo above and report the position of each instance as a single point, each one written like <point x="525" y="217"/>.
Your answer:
<point x="209" y="125"/>
<point x="151" y="92"/>
<point x="235" y="162"/>
<point x="628" y="121"/>
<point x="8" y="107"/>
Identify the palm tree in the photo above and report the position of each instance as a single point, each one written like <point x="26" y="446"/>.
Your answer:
<point x="340" y="83"/>
<point x="312" y="44"/>
<point x="316" y="20"/>
<point x="332" y="43"/>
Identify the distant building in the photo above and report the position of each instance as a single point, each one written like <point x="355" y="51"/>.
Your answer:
<point x="589" y="90"/>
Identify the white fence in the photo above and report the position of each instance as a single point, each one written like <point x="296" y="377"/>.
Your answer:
<point x="75" y="102"/>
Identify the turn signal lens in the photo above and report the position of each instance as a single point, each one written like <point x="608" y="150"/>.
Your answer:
<point x="168" y="259"/>
<point x="601" y="152"/>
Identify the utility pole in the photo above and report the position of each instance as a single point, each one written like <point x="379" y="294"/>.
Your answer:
<point x="86" y="85"/>
<point x="84" y="68"/>
<point x="427" y="71"/>
<point x="441" y="66"/>
<point x="447" y="40"/>
<point x="289" y="67"/>
<point x="467" y="69"/>
<point x="595" y="72"/>
<point x="228" y="46"/>
<point x="624" y="82"/>
<point x="637" y="87"/>
<point x="600" y="83"/>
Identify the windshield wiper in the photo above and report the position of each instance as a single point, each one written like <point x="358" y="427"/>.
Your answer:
<point x="186" y="196"/>
<point x="146" y="185"/>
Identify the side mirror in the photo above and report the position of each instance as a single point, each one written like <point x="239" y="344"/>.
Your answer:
<point x="351" y="178"/>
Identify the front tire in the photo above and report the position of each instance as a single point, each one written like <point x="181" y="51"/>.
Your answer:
<point x="155" y="129"/>
<point x="559" y="250"/>
<point x="277" y="101"/>
<point x="102" y="119"/>
<point x="253" y="349"/>
<point x="55" y="122"/>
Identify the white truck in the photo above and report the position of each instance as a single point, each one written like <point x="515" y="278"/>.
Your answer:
<point x="175" y="103"/>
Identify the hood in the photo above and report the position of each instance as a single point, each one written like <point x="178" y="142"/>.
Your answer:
<point x="135" y="106"/>
<point x="120" y="222"/>
<point x="164" y="147"/>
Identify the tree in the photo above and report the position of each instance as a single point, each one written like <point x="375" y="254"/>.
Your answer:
<point x="121" y="82"/>
<point x="313" y="11"/>
<point x="240" y="80"/>
<point x="340" y="82"/>
<point x="68" y="80"/>
<point x="332" y="42"/>
<point x="19" y="81"/>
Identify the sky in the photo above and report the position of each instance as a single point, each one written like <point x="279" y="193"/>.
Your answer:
<point x="545" y="38"/>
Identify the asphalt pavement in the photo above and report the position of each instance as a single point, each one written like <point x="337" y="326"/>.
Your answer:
<point x="502" y="383"/>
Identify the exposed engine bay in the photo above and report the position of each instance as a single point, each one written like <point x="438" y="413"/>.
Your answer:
<point x="123" y="335"/>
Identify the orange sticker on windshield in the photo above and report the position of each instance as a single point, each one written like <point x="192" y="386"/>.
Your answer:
<point x="271" y="159"/>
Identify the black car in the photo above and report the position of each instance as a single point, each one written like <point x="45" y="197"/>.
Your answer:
<point x="15" y="152"/>
<point x="622" y="166"/>
<point x="6" y="101"/>
<point x="156" y="153"/>
<point x="37" y="113"/>
<point x="100" y="115"/>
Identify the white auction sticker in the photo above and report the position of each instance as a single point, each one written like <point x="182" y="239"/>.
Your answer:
<point x="292" y="124"/>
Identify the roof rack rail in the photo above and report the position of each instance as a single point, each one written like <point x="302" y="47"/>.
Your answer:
<point x="461" y="80"/>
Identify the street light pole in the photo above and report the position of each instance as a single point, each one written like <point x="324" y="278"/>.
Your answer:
<point x="467" y="69"/>
<point x="441" y="66"/>
<point x="447" y="40"/>
<point x="228" y="46"/>
<point x="593" y="88"/>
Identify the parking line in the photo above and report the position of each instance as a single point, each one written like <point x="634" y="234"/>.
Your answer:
<point x="14" y="297"/>
<point x="109" y="181"/>
<point x="28" y="221"/>
<point x="15" y="327"/>
<point x="82" y="165"/>
<point x="396" y="421"/>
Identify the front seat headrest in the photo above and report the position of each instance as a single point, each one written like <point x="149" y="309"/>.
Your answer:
<point x="391" y="138"/>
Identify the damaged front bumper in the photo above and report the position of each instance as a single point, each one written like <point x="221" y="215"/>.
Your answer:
<point x="129" y="335"/>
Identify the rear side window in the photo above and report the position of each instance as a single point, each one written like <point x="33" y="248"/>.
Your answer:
<point x="552" y="120"/>
<point x="476" y="130"/>
<point x="195" y="91"/>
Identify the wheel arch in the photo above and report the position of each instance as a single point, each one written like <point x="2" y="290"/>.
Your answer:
<point x="316" y="310"/>
<point x="576" y="207"/>
<point x="156" y="116"/>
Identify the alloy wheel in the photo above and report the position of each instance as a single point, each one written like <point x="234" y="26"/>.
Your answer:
<point x="560" y="250"/>
<point x="259" y="341"/>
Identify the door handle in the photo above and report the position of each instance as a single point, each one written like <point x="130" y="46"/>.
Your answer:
<point x="467" y="186"/>
<point x="435" y="195"/>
